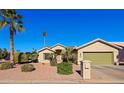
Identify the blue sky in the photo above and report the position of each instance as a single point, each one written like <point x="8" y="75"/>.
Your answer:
<point x="67" y="27"/>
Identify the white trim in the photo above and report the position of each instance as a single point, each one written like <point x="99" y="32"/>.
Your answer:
<point x="44" y="49"/>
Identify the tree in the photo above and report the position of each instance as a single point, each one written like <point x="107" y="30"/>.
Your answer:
<point x="4" y="53"/>
<point x="52" y="58"/>
<point x="44" y="36"/>
<point x="67" y="54"/>
<point x="16" y="56"/>
<point x="0" y="53"/>
<point x="13" y="20"/>
<point x="34" y="50"/>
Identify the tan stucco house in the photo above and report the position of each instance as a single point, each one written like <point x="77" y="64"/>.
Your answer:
<point x="43" y="55"/>
<point x="98" y="51"/>
<point x="58" y="48"/>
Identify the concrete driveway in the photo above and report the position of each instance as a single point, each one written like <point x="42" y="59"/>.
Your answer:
<point x="107" y="74"/>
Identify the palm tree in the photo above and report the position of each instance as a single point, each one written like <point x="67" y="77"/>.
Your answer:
<point x="67" y="54"/>
<point x="13" y="20"/>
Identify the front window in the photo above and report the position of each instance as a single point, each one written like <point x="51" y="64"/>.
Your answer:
<point x="46" y="56"/>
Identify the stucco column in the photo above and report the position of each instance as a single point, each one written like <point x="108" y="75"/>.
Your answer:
<point x="85" y="69"/>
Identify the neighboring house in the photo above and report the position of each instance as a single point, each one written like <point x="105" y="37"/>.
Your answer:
<point x="43" y="53"/>
<point x="121" y="51"/>
<point x="98" y="51"/>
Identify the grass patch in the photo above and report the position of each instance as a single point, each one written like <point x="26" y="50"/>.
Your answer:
<point x="65" y="68"/>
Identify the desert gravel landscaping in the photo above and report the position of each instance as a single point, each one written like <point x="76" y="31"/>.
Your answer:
<point x="45" y="73"/>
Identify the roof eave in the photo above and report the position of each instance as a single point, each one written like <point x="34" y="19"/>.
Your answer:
<point x="44" y="49"/>
<point x="96" y="40"/>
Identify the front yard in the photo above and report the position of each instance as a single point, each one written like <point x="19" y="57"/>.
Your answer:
<point x="43" y="73"/>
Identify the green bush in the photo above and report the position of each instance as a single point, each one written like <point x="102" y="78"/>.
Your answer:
<point x="52" y="58"/>
<point x="28" y="55"/>
<point x="27" y="68"/>
<point x="6" y="65"/>
<point x="64" y="68"/>
<point x="23" y="58"/>
<point x="34" y="56"/>
<point x="16" y="57"/>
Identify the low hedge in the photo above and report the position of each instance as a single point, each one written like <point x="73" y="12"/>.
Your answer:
<point x="27" y="68"/>
<point x="6" y="65"/>
<point x="64" y="68"/>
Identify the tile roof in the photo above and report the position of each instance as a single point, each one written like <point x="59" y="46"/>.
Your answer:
<point x="121" y="44"/>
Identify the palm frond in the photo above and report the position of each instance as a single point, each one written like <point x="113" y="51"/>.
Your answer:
<point x="11" y="17"/>
<point x="21" y="28"/>
<point x="3" y="23"/>
<point x="19" y="19"/>
<point x="20" y="22"/>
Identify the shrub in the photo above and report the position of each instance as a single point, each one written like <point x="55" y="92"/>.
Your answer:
<point x="53" y="62"/>
<point x="27" y="68"/>
<point x="64" y="68"/>
<point x="52" y="58"/>
<point x="70" y="62"/>
<point x="28" y="55"/>
<point x="23" y="58"/>
<point x="16" y="57"/>
<point x="6" y="65"/>
<point x="34" y="56"/>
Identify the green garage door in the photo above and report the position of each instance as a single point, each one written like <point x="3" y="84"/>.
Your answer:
<point x="99" y="58"/>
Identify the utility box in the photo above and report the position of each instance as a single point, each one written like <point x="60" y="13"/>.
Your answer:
<point x="86" y="69"/>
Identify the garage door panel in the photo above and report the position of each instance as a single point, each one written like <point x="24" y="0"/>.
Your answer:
<point x="99" y="58"/>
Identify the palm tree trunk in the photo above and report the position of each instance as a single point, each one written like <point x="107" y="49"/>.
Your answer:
<point x="11" y="46"/>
